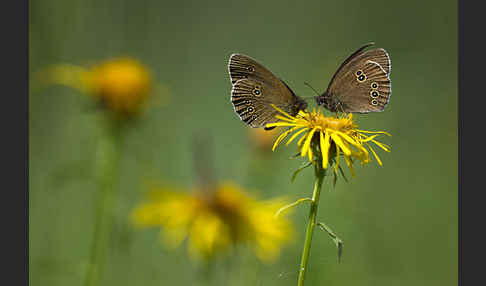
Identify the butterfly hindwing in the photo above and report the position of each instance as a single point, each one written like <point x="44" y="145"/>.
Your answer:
<point x="348" y="60"/>
<point x="379" y="56"/>
<point x="252" y="101"/>
<point x="355" y="95"/>
<point x="366" y="89"/>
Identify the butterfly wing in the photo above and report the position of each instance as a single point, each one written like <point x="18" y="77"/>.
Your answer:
<point x="367" y="92"/>
<point x="255" y="88"/>
<point x="362" y="83"/>
<point x="252" y="101"/>
<point x="380" y="56"/>
<point x="242" y="66"/>
<point x="347" y="60"/>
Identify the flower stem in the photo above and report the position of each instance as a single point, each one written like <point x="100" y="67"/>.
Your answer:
<point x="107" y="168"/>
<point x="312" y="221"/>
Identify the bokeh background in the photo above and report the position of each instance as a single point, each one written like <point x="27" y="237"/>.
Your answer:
<point x="398" y="222"/>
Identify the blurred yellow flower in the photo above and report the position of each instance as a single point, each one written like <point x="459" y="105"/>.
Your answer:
<point x="122" y="84"/>
<point x="262" y="139"/>
<point x="216" y="220"/>
<point x="331" y="136"/>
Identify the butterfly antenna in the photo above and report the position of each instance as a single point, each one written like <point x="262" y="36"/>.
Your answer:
<point x="318" y="94"/>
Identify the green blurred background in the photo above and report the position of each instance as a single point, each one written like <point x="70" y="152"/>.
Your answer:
<point x="398" y="222"/>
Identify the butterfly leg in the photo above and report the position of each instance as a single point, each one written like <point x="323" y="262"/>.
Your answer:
<point x="340" y="107"/>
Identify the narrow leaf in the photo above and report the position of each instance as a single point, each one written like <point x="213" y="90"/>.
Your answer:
<point x="294" y="175"/>
<point x="342" y="173"/>
<point x="339" y="243"/>
<point x="297" y="202"/>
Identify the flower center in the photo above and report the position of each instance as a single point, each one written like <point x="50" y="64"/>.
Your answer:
<point x="339" y="124"/>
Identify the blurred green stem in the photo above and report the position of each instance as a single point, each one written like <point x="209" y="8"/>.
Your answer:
<point x="107" y="171"/>
<point x="312" y="221"/>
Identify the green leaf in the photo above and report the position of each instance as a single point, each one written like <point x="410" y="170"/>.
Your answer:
<point x="295" y="156"/>
<point x="339" y="243"/>
<point x="334" y="181"/>
<point x="294" y="175"/>
<point x="342" y="173"/>
<point x="297" y="202"/>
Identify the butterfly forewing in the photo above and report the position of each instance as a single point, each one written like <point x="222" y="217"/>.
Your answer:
<point x="242" y="66"/>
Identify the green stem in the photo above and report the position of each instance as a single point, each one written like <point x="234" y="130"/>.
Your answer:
<point x="107" y="170"/>
<point x="312" y="221"/>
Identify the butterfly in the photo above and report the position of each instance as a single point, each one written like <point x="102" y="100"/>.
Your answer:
<point x="361" y="84"/>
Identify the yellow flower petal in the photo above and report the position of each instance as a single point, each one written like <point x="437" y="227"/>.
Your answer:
<point x="279" y="124"/>
<point x="383" y="146"/>
<point x="368" y="138"/>
<point x="374" y="153"/>
<point x="373" y="132"/>
<point x="295" y="135"/>
<point x="348" y="138"/>
<point x="307" y="142"/>
<point x="283" y="112"/>
<point x="325" y="143"/>
<point x="283" y="118"/>
<point x="302" y="113"/>
<point x="282" y="136"/>
<point x="341" y="144"/>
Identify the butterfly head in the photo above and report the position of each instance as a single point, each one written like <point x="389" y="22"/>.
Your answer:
<point x="299" y="104"/>
<point x="325" y="100"/>
<point x="329" y="102"/>
<point x="321" y="99"/>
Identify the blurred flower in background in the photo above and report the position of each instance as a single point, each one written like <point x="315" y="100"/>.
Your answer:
<point x="261" y="139"/>
<point x="330" y="136"/>
<point x="123" y="84"/>
<point x="215" y="220"/>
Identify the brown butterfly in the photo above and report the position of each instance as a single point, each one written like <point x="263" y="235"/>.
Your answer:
<point x="361" y="84"/>
<point x="255" y="89"/>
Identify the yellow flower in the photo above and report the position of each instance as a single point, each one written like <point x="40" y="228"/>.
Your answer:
<point x="122" y="84"/>
<point x="262" y="139"/>
<point x="333" y="137"/>
<point x="216" y="220"/>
